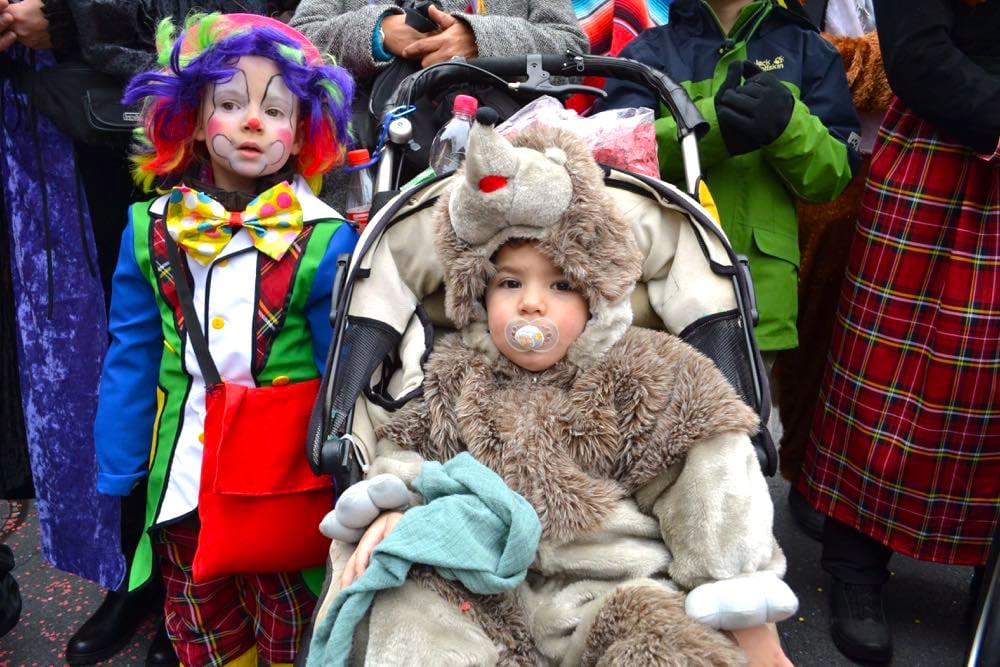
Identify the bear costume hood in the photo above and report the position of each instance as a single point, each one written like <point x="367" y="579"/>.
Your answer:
<point x="542" y="185"/>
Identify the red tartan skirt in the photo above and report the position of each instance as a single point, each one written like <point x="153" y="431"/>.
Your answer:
<point x="906" y="438"/>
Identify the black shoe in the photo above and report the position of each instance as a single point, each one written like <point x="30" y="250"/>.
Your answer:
<point x="10" y="593"/>
<point x="161" y="651"/>
<point x="111" y="627"/>
<point x="858" y="627"/>
<point x="808" y="519"/>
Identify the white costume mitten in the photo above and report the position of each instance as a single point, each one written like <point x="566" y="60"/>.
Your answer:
<point x="742" y="602"/>
<point x="361" y="504"/>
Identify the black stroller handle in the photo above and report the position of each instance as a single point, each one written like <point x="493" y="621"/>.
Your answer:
<point x="538" y="69"/>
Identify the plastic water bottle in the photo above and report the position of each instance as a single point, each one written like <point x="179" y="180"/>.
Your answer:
<point x="359" y="190"/>
<point x="448" y="147"/>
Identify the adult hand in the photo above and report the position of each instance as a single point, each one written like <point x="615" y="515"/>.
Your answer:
<point x="454" y="39"/>
<point x="30" y="25"/>
<point x="7" y="36"/>
<point x="397" y="35"/>
<point x="754" y="114"/>
<point x="376" y="532"/>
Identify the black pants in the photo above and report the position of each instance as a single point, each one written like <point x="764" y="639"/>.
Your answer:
<point x="109" y="191"/>
<point x="853" y="557"/>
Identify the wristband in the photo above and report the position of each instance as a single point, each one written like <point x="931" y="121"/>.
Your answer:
<point x="379" y="54"/>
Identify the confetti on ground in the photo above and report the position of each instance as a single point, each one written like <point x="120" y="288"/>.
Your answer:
<point x="55" y="603"/>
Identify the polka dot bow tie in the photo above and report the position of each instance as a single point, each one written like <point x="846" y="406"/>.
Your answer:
<point x="203" y="227"/>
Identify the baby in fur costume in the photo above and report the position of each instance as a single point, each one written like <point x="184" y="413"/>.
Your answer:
<point x="632" y="447"/>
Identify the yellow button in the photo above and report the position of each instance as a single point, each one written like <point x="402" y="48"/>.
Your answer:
<point x="201" y="438"/>
<point x="280" y="381"/>
<point x="218" y="323"/>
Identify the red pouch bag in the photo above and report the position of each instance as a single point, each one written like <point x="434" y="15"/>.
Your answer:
<point x="259" y="502"/>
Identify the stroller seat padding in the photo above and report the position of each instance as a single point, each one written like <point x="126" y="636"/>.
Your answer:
<point x="402" y="283"/>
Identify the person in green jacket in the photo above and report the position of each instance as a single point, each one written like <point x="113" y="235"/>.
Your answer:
<point x="783" y="127"/>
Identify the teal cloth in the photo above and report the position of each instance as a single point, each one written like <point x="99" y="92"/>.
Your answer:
<point x="473" y="528"/>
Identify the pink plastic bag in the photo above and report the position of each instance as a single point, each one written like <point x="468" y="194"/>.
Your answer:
<point x="620" y="138"/>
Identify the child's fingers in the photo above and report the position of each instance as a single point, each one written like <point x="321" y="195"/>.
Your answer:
<point x="347" y="576"/>
<point x="359" y="567"/>
<point x="358" y="562"/>
<point x="370" y="540"/>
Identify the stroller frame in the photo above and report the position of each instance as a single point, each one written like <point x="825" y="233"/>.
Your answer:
<point x="331" y="448"/>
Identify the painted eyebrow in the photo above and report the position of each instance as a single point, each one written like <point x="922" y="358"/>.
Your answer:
<point x="232" y="86"/>
<point x="267" y="88"/>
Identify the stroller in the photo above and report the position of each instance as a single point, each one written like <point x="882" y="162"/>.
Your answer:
<point x="388" y="297"/>
<point x="388" y="301"/>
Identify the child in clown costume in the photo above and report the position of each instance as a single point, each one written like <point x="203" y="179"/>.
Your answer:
<point x="245" y="116"/>
<point x="631" y="447"/>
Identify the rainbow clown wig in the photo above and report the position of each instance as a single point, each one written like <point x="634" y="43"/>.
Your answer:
<point x="206" y="53"/>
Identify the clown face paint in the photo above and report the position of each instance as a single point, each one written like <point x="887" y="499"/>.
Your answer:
<point x="248" y="124"/>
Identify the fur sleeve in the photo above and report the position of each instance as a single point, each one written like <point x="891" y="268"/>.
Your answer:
<point x="429" y="425"/>
<point x="669" y="397"/>
<point x="717" y="517"/>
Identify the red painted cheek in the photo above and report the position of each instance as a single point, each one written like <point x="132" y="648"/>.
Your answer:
<point x="284" y="136"/>
<point x="213" y="127"/>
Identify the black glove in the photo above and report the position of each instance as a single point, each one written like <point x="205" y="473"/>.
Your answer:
<point x="754" y="114"/>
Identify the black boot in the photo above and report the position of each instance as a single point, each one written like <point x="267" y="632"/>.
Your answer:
<point x="10" y="595"/>
<point x="161" y="651"/>
<point x="858" y="626"/>
<point x="111" y="627"/>
<point x="808" y="519"/>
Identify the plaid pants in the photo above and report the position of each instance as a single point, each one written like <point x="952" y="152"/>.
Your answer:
<point x="214" y="622"/>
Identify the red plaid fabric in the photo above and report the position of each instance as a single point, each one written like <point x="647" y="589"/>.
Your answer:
<point x="217" y="621"/>
<point x="160" y="259"/>
<point x="907" y="435"/>
<point x="274" y="289"/>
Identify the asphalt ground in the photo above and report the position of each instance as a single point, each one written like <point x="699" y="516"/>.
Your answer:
<point x="925" y="603"/>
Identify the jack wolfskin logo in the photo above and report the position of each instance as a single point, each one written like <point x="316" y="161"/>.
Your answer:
<point x="771" y="65"/>
<point x="854" y="141"/>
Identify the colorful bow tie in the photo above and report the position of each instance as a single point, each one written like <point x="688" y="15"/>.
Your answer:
<point x="203" y="227"/>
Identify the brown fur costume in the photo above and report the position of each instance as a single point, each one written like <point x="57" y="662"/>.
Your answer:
<point x="634" y="449"/>
<point x="572" y="441"/>
<point x="825" y="233"/>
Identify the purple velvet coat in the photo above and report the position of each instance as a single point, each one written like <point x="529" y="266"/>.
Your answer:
<point x="62" y="336"/>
